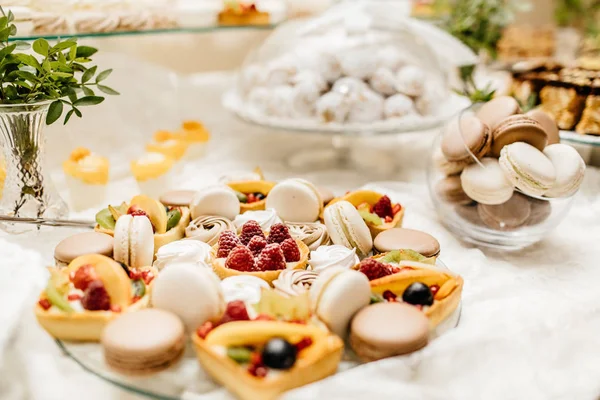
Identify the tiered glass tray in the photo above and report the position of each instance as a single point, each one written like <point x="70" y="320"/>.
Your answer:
<point x="574" y="137"/>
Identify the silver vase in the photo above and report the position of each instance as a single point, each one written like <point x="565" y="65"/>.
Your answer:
<point x="28" y="191"/>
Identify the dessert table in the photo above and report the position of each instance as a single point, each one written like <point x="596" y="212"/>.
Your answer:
<point x="530" y="320"/>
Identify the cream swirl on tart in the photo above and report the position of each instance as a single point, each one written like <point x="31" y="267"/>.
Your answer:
<point x="265" y="218"/>
<point x="208" y="228"/>
<point x="313" y="234"/>
<point x="330" y="256"/>
<point x="188" y="251"/>
<point x="294" y="282"/>
<point x="246" y="288"/>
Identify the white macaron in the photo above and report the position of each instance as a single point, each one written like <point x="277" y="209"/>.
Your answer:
<point x="486" y="184"/>
<point x="347" y="228"/>
<point x="337" y="295"/>
<point x="295" y="200"/>
<point x="219" y="200"/>
<point x="193" y="294"/>
<point x="134" y="241"/>
<point x="569" y="167"/>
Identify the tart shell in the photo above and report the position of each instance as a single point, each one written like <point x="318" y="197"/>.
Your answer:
<point x="263" y="187"/>
<point x="223" y="272"/>
<point x="230" y="18"/>
<point x="368" y="196"/>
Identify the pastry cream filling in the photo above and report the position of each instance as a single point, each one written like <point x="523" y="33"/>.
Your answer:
<point x="193" y="131"/>
<point x="150" y="166"/>
<point x="88" y="167"/>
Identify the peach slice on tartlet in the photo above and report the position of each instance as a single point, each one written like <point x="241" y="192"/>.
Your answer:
<point x="377" y="210"/>
<point x="252" y="194"/>
<point x="81" y="299"/>
<point x="395" y="278"/>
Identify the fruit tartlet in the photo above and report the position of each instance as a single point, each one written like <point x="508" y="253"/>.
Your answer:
<point x="195" y="135"/>
<point x="153" y="173"/>
<point x="376" y="209"/>
<point x="406" y="276"/>
<point x="260" y="358"/>
<point x="252" y="194"/>
<point x="87" y="175"/>
<point x="168" y="144"/>
<point x="169" y="223"/>
<point x="82" y="298"/>
<point x="242" y="13"/>
<point x="257" y="254"/>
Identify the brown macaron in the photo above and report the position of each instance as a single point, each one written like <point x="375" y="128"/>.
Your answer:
<point x="466" y="137"/>
<point x="548" y="123"/>
<point x="143" y="342"/>
<point x="498" y="109"/>
<point x="388" y="329"/>
<point x="401" y="238"/>
<point x="177" y="198"/>
<point x="450" y="190"/>
<point x="81" y="244"/>
<point x="469" y="213"/>
<point x="540" y="211"/>
<point x="507" y="216"/>
<point x="518" y="128"/>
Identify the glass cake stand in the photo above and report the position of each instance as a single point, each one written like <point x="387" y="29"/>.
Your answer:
<point x="587" y="145"/>
<point x="186" y="379"/>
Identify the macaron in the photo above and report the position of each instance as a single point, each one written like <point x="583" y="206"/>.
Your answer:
<point x="402" y="238"/>
<point x="498" y="109"/>
<point x="527" y="168"/>
<point x="219" y="200"/>
<point x="178" y="198"/>
<point x="143" y="342"/>
<point x="518" y="128"/>
<point x="81" y="244"/>
<point x="470" y="214"/>
<point x="134" y="241"/>
<point x="569" y="167"/>
<point x="193" y="294"/>
<point x="388" y="329"/>
<point x="337" y="295"/>
<point x="464" y="138"/>
<point x="507" y="216"/>
<point x="447" y="167"/>
<point x="548" y="123"/>
<point x="451" y="191"/>
<point x="540" y="211"/>
<point x="295" y="200"/>
<point x="486" y="184"/>
<point x="347" y="228"/>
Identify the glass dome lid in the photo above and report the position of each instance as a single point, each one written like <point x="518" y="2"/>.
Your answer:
<point x="363" y="66"/>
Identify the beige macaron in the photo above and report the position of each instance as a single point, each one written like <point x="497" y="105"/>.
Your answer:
<point x="178" y="198"/>
<point x="496" y="110"/>
<point x="81" y="244"/>
<point x="402" y="238"/>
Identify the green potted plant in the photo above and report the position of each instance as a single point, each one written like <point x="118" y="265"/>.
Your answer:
<point x="39" y="83"/>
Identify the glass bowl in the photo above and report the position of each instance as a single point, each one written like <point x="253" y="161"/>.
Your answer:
<point x="520" y="222"/>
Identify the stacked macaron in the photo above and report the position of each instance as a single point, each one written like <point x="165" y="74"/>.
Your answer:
<point x="498" y="160"/>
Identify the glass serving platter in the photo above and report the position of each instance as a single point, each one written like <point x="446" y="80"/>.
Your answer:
<point x="186" y="379"/>
<point x="574" y="137"/>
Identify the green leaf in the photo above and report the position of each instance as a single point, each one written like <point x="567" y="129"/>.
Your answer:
<point x="85" y="51"/>
<point x="88" y="101"/>
<point x="87" y="91"/>
<point x="62" y="59"/>
<point x="22" y="84"/>
<point x="7" y="50"/>
<point x="10" y="16"/>
<point x="87" y="75"/>
<point x="72" y="96"/>
<point x="67" y="44"/>
<point x="46" y="65"/>
<point x="41" y="47"/>
<point x="54" y="112"/>
<point x="12" y="30"/>
<point x="68" y="116"/>
<point x="103" y="75"/>
<point x="61" y="74"/>
<point x="73" y="53"/>
<point x="21" y="45"/>
<point x="30" y="60"/>
<point x="4" y="22"/>
<point x="77" y="112"/>
<point x="108" y="90"/>
<point x="28" y="76"/>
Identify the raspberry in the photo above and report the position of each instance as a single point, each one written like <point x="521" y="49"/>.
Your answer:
<point x="290" y="249"/>
<point x="136" y="210"/>
<point x="249" y="230"/>
<point x="236" y="311"/>
<point x="96" y="297"/>
<point x="205" y="329"/>
<point x="383" y="208"/>
<point x="147" y="276"/>
<point x="45" y="304"/>
<point x="303" y="343"/>
<point x="256" y="245"/>
<point x="84" y="275"/>
<point x="374" y="269"/>
<point x="388" y="295"/>
<point x="256" y="366"/>
<point x="271" y="258"/>
<point x="279" y="233"/>
<point x="241" y="259"/>
<point x="434" y="289"/>
<point x="227" y="241"/>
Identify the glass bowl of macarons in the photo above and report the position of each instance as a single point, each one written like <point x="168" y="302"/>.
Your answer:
<point x="500" y="178"/>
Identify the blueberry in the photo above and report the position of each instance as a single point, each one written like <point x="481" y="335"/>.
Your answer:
<point x="278" y="353"/>
<point x="259" y="196"/>
<point x="418" y="294"/>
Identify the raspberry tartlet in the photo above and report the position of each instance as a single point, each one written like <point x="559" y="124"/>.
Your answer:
<point x="255" y="253"/>
<point x="82" y="298"/>
<point x="376" y="209"/>
<point x="406" y="276"/>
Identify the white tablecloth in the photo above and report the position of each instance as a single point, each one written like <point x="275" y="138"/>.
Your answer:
<point x="530" y="326"/>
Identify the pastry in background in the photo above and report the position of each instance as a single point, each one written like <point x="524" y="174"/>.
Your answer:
<point x="153" y="173"/>
<point x="590" y="119"/>
<point x="195" y="134"/>
<point x="169" y="144"/>
<point x="238" y="12"/>
<point x="49" y="23"/>
<point x="565" y="105"/>
<point x="87" y="176"/>
<point x="520" y="42"/>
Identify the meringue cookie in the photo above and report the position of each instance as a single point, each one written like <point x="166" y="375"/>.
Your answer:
<point x="259" y="98"/>
<point x="265" y="218"/>
<point x="310" y="78"/>
<point x="390" y="58"/>
<point x="313" y="234"/>
<point x="358" y="64"/>
<point x="410" y="80"/>
<point x="207" y="229"/>
<point x="398" y="106"/>
<point x="366" y="107"/>
<point x="349" y="85"/>
<point x="333" y="107"/>
<point x="281" y="71"/>
<point x="280" y="102"/>
<point x="246" y="288"/>
<point x="333" y="256"/>
<point x="304" y="99"/>
<point x="384" y="81"/>
<point x="183" y="251"/>
<point x="294" y="282"/>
